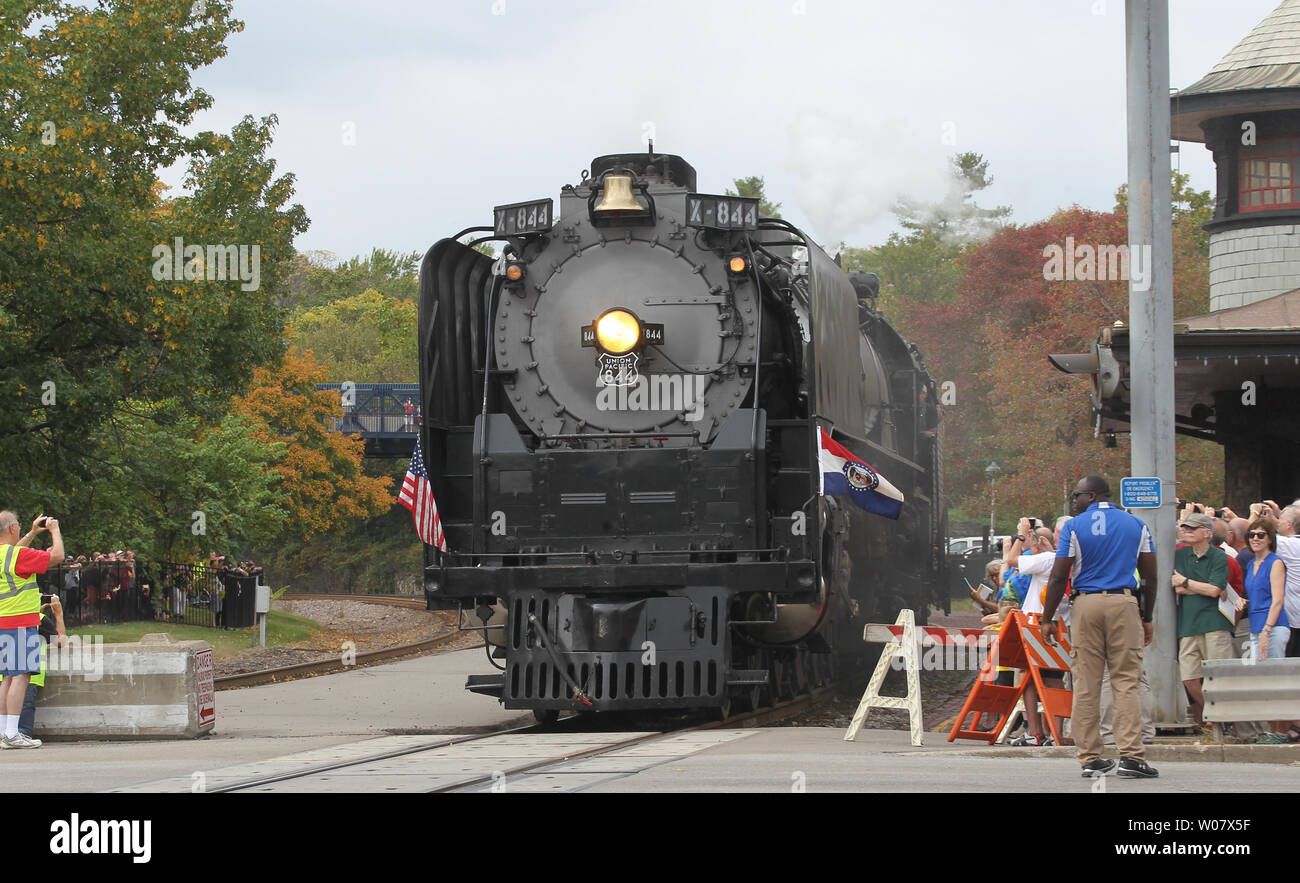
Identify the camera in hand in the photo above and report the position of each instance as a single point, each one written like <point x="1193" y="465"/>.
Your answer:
<point x="43" y="521"/>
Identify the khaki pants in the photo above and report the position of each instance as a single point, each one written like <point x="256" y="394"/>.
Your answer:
<point x="1108" y="710"/>
<point x="1106" y="632"/>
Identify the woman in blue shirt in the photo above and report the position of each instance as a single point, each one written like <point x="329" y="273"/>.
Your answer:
<point x="1265" y="583"/>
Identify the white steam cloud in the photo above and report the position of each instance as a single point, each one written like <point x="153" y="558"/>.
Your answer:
<point x="850" y="173"/>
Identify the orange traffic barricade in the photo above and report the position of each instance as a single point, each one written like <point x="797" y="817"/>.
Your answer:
<point x="1020" y="645"/>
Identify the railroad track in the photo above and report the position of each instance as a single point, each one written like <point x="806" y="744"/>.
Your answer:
<point x="528" y="758"/>
<point x="329" y="666"/>
<point x="390" y="600"/>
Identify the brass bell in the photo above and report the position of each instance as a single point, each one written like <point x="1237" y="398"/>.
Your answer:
<point x="617" y="195"/>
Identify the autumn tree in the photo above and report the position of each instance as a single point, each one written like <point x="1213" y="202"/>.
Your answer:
<point x="1010" y="405"/>
<point x="319" y="472"/>
<point x="93" y="101"/>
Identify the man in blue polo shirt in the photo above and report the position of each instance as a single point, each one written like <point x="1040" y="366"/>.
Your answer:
<point x="1099" y="550"/>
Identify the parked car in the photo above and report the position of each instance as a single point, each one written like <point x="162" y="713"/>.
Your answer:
<point x="964" y="545"/>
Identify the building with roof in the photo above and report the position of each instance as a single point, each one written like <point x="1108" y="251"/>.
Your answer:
<point x="1237" y="373"/>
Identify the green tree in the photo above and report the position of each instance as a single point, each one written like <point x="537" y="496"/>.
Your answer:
<point x="188" y="491"/>
<point x="366" y="338"/>
<point x="956" y="219"/>
<point x="920" y="267"/>
<point x="93" y="102"/>
<point x="318" y="279"/>
<point x="754" y="187"/>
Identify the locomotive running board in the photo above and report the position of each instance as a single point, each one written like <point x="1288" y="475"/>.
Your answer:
<point x="487" y="685"/>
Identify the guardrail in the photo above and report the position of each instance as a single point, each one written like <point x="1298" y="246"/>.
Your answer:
<point x="1236" y="690"/>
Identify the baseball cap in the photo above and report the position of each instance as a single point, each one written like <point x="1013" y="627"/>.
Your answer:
<point x="1197" y="520"/>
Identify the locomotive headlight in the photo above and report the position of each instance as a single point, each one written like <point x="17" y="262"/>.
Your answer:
<point x="618" y="332"/>
<point x="737" y="264"/>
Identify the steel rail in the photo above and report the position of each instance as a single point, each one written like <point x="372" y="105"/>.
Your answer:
<point x="390" y="600"/>
<point x="250" y="784"/>
<point x="330" y="666"/>
<point x="750" y="718"/>
<point x="780" y="711"/>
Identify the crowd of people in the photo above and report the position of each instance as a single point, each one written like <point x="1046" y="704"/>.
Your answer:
<point x="118" y="587"/>
<point x="1236" y="581"/>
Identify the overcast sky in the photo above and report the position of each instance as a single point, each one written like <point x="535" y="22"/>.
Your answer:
<point x="455" y="107"/>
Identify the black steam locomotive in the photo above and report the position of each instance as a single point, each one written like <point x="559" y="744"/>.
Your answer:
<point x="621" y="418"/>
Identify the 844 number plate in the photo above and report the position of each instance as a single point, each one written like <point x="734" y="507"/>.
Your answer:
<point x="721" y="212"/>
<point x="522" y="217"/>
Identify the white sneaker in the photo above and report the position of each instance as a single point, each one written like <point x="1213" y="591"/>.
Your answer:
<point x="21" y="741"/>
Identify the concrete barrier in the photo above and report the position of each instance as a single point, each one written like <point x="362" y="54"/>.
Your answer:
<point x="158" y="688"/>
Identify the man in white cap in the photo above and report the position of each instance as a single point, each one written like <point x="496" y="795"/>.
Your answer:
<point x="1200" y="578"/>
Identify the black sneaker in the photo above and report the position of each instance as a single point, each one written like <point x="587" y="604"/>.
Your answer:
<point x="1136" y="769"/>
<point x="1099" y="767"/>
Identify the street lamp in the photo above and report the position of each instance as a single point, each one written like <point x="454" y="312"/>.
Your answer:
<point x="992" y="471"/>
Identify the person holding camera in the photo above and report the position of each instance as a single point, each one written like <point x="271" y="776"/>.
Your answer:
<point x="1033" y="552"/>
<point x="20" y="618"/>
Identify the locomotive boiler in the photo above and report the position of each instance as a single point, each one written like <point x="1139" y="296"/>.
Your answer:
<point x="621" y="422"/>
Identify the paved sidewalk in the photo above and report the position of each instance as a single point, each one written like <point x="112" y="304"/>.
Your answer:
<point x="421" y="695"/>
<point x="817" y="759"/>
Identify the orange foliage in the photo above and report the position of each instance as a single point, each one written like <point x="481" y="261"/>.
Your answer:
<point x="321" y="468"/>
<point x="1011" y="405"/>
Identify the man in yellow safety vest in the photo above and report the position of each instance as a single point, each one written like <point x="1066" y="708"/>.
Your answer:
<point x="20" y="617"/>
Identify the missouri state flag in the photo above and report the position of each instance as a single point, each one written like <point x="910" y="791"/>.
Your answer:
<point x="417" y="495"/>
<point x="845" y="473"/>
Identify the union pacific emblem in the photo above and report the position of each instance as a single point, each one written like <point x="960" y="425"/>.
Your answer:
<point x="617" y="370"/>
<point x="861" y="476"/>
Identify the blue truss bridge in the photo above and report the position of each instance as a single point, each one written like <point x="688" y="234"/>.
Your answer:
<point x="377" y="412"/>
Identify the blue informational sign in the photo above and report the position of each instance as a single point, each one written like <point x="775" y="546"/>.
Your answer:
<point x="1139" y="493"/>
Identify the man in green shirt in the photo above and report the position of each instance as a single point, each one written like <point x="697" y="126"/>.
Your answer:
<point x="1200" y="579"/>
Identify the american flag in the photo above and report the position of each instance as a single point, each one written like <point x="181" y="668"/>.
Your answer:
<point x="417" y="495"/>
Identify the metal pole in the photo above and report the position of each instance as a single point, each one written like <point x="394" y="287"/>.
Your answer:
<point x="1151" y="319"/>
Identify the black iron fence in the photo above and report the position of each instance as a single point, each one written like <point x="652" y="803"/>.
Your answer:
<point x="133" y="591"/>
